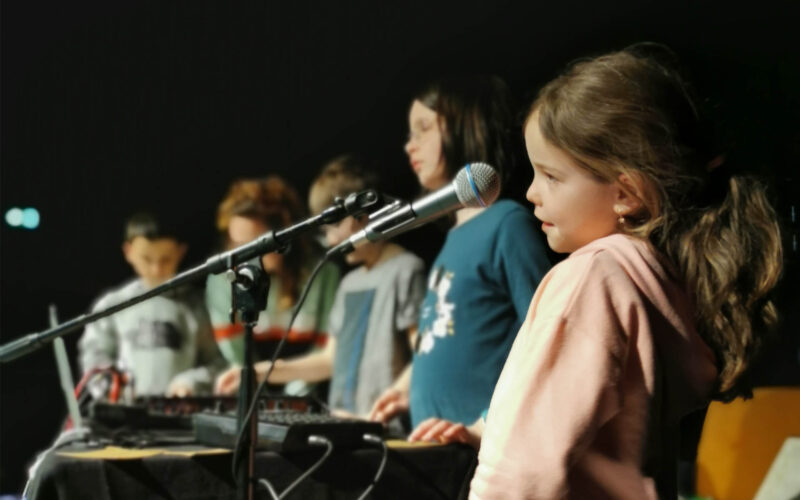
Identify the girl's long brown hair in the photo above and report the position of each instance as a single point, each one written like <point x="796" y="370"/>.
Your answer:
<point x="632" y="112"/>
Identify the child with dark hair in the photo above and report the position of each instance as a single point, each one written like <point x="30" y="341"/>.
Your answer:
<point x="374" y="314"/>
<point x="483" y="279"/>
<point x="165" y="342"/>
<point x="661" y="305"/>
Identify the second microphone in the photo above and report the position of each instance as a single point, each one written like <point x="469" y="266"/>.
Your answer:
<point x="475" y="185"/>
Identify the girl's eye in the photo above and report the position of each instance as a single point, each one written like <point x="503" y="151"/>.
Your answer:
<point x="416" y="133"/>
<point x="545" y="175"/>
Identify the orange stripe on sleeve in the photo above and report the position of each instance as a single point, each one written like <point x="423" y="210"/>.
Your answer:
<point x="228" y="331"/>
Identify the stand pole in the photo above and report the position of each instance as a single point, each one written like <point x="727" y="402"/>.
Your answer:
<point x="245" y="468"/>
<point x="250" y="287"/>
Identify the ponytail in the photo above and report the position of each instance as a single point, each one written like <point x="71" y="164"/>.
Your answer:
<point x="730" y="256"/>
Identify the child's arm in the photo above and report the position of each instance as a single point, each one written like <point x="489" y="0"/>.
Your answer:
<point x="310" y="368"/>
<point x="411" y="292"/>
<point x="561" y="381"/>
<point x="412" y="337"/>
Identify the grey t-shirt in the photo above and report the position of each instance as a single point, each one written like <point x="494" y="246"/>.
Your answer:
<point x="370" y="318"/>
<point x="163" y="338"/>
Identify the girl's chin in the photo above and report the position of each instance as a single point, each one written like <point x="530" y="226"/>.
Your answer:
<point x="557" y="245"/>
<point x="431" y="184"/>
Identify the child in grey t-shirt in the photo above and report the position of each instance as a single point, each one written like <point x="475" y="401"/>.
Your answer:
<point x="373" y="319"/>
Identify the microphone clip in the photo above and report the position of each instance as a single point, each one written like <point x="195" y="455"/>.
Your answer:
<point x="355" y="204"/>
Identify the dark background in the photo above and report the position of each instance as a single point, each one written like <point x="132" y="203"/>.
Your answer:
<point x="108" y="107"/>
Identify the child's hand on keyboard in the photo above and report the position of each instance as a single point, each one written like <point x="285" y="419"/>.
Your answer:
<point x="228" y="382"/>
<point x="391" y="403"/>
<point x="444" y="431"/>
<point x="345" y="414"/>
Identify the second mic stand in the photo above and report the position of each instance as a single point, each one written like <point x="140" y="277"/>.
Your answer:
<point x="249" y="291"/>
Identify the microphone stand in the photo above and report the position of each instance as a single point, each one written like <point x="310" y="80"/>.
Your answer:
<point x="355" y="204"/>
<point x="250" y="288"/>
<point x="269" y="242"/>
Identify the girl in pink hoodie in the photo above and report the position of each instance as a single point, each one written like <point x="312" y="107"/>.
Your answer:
<point x="659" y="307"/>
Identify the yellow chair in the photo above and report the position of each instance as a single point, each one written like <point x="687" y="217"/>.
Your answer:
<point x="740" y="440"/>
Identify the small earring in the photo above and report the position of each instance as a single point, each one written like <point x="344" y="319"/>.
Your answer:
<point x="621" y="218"/>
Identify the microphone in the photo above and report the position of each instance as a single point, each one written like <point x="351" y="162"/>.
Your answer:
<point x="475" y="185"/>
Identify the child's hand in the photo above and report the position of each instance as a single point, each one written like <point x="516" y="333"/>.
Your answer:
<point x="392" y="402"/>
<point x="345" y="414"/>
<point x="228" y="382"/>
<point x="444" y="431"/>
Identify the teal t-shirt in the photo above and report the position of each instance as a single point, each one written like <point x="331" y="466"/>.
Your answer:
<point x="479" y="290"/>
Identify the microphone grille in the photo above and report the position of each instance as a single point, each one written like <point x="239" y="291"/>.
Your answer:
<point x="484" y="182"/>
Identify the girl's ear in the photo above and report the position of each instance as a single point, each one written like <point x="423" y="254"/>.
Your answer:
<point x="629" y="195"/>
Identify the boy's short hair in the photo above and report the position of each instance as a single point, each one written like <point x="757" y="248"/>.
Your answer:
<point x="341" y="176"/>
<point x="148" y="226"/>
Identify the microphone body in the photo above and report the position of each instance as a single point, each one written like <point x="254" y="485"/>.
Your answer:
<point x="475" y="185"/>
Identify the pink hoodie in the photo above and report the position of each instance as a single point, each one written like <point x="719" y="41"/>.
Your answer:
<point x="589" y="400"/>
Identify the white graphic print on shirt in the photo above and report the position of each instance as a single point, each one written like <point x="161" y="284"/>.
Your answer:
<point x="440" y="282"/>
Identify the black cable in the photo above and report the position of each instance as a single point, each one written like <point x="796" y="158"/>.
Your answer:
<point x="312" y="440"/>
<point x="254" y="403"/>
<point x="372" y="438"/>
<point x="266" y="484"/>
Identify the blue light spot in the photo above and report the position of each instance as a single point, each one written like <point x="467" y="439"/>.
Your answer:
<point x="30" y="218"/>
<point x="14" y="217"/>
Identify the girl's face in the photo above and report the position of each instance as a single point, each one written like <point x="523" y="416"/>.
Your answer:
<point x="424" y="147"/>
<point x="574" y="206"/>
<point x="243" y="230"/>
